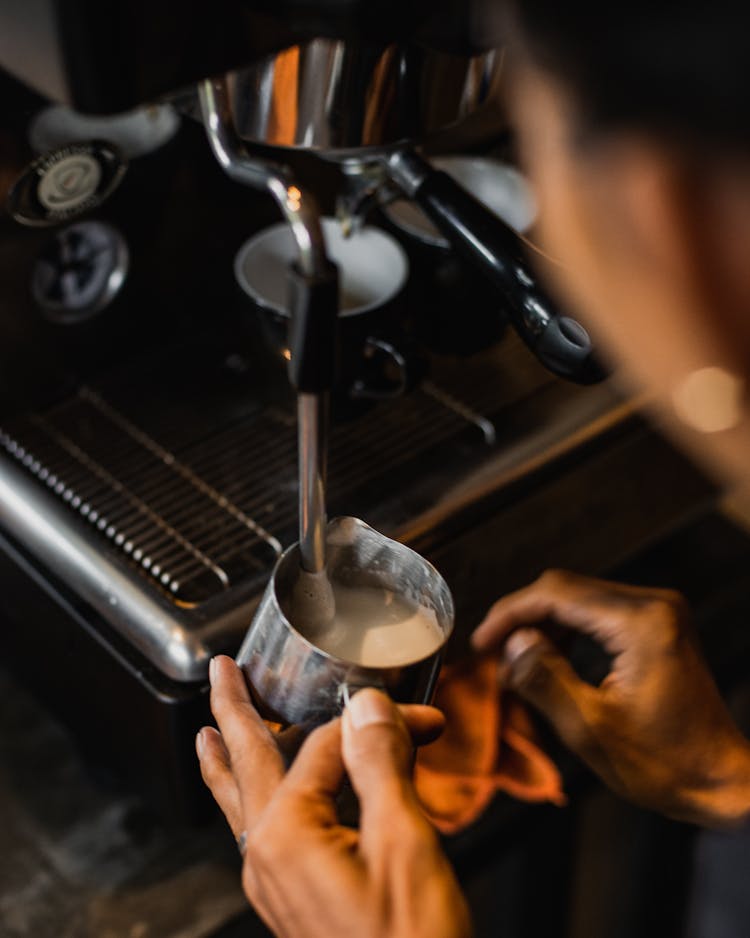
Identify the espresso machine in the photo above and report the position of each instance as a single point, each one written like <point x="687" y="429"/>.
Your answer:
<point x="144" y="503"/>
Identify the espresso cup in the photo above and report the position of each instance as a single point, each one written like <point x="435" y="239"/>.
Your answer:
<point x="377" y="360"/>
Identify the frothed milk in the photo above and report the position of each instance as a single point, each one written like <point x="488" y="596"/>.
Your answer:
<point x="375" y="628"/>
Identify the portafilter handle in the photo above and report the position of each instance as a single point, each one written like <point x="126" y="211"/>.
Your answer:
<point x="560" y="343"/>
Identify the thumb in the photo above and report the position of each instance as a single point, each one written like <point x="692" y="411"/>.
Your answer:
<point x="539" y="674"/>
<point x="378" y="756"/>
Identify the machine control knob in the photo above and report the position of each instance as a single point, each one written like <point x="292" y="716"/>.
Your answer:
<point x="79" y="271"/>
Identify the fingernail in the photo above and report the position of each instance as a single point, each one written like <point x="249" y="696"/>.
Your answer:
<point x="212" y="671"/>
<point x="368" y="707"/>
<point x="199" y="744"/>
<point x="520" y="642"/>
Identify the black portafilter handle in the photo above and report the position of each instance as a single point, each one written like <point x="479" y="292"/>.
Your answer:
<point x="559" y="342"/>
<point x="313" y="329"/>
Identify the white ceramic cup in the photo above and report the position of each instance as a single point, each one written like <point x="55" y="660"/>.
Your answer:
<point x="377" y="362"/>
<point x="373" y="267"/>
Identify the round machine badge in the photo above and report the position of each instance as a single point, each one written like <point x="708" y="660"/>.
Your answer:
<point x="66" y="182"/>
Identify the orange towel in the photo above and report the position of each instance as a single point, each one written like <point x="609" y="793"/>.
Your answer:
<point x="488" y="746"/>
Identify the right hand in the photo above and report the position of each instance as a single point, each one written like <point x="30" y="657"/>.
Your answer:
<point x="656" y="730"/>
<point x="307" y="875"/>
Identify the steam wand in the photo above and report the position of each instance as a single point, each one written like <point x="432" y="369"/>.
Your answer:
<point x="314" y="313"/>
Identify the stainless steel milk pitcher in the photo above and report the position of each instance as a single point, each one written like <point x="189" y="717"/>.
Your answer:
<point x="292" y="680"/>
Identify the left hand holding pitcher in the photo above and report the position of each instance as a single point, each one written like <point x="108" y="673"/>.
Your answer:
<point x="307" y="875"/>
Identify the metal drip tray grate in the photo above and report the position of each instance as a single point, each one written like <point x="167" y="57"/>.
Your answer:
<point x="195" y="514"/>
<point x="178" y="530"/>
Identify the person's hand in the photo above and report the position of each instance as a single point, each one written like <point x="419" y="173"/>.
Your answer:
<point x="307" y="875"/>
<point x="656" y="729"/>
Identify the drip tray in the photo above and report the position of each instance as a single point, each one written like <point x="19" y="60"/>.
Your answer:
<point x="169" y="525"/>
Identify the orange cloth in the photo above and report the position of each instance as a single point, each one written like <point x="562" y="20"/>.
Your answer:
<point x="488" y="745"/>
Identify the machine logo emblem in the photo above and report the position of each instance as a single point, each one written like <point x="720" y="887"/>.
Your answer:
<point x="69" y="183"/>
<point x="66" y="182"/>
